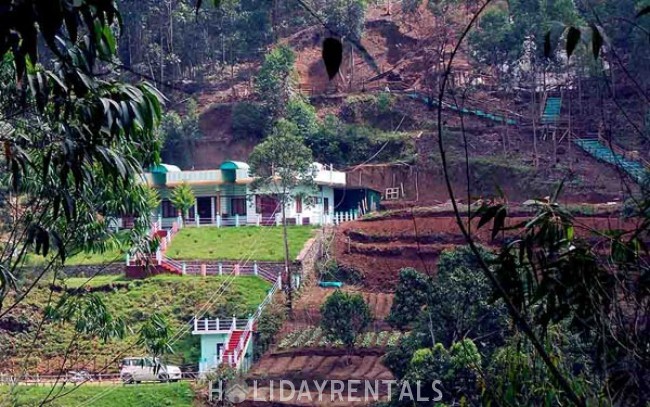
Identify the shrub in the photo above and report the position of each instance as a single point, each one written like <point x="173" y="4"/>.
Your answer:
<point x="344" y="317"/>
<point x="410" y="297"/>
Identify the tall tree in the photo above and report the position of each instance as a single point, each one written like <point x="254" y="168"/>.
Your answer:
<point x="275" y="81"/>
<point x="282" y="167"/>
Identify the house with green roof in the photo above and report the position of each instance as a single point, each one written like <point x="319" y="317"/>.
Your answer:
<point x="224" y="197"/>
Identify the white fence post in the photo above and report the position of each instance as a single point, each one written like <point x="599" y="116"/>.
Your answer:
<point x="218" y="221"/>
<point x="128" y="259"/>
<point x="184" y="269"/>
<point x="197" y="220"/>
<point x="237" y="220"/>
<point x="277" y="219"/>
<point x="220" y="269"/>
<point x="259" y="217"/>
<point x="255" y="268"/>
<point x="180" y="221"/>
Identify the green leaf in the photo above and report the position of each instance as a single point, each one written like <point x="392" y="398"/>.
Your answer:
<point x="488" y="215"/>
<point x="332" y="56"/>
<point x="643" y="11"/>
<point x="547" y="45"/>
<point x="570" y="233"/>
<point x="596" y="41"/>
<point x="499" y="221"/>
<point x="572" y="39"/>
<point x="557" y="192"/>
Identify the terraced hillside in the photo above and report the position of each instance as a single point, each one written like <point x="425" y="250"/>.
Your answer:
<point x="380" y="247"/>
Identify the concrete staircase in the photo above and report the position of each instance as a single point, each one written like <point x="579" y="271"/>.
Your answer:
<point x="604" y="153"/>
<point x="552" y="109"/>
<point x="236" y="347"/>
<point x="496" y="118"/>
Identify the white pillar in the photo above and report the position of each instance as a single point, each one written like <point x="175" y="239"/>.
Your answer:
<point x="212" y="208"/>
<point x="236" y="220"/>
<point x="196" y="211"/>
<point x="218" y="221"/>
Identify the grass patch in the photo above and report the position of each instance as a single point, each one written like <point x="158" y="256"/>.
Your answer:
<point x="145" y="395"/>
<point x="82" y="259"/>
<point x="175" y="297"/>
<point x="260" y="243"/>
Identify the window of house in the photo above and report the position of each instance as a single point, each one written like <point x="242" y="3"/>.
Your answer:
<point x="168" y="209"/>
<point x="238" y="206"/>
<point x="392" y="193"/>
<point x="298" y="204"/>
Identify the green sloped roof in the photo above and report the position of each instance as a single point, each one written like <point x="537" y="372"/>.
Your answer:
<point x="165" y="168"/>
<point x="233" y="165"/>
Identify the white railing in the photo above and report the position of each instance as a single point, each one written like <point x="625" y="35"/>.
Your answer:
<point x="178" y="266"/>
<point x="276" y="286"/>
<point x="194" y="176"/>
<point x="218" y="325"/>
<point x="243" y="342"/>
<point x="329" y="176"/>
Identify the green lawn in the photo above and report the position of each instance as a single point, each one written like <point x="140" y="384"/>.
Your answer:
<point x="260" y="243"/>
<point x="175" y="297"/>
<point x="144" y="395"/>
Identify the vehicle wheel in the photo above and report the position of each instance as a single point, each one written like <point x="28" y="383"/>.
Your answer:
<point x="163" y="377"/>
<point x="127" y="379"/>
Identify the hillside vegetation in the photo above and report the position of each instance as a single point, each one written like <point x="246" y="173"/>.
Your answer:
<point x="174" y="297"/>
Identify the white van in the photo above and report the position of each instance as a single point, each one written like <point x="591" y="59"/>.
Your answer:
<point x="140" y="369"/>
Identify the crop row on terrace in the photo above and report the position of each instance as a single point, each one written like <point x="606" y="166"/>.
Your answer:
<point x="313" y="337"/>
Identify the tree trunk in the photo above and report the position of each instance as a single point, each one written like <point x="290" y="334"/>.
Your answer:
<point x="289" y="282"/>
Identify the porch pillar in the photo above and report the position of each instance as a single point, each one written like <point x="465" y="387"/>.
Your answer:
<point x="212" y="208"/>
